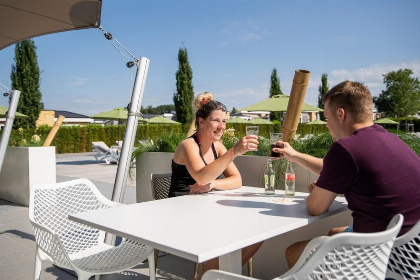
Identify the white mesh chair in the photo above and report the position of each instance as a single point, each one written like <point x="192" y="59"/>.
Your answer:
<point x="342" y="256"/>
<point x="404" y="261"/>
<point x="72" y="245"/>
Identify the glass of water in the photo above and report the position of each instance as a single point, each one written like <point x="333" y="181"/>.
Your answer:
<point x="253" y="130"/>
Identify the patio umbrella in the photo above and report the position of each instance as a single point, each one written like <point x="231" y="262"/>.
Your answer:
<point x="385" y="121"/>
<point x="117" y="114"/>
<point x="160" y="120"/>
<point x="24" y="19"/>
<point x="237" y="120"/>
<point x="317" y="122"/>
<point x="260" y="121"/>
<point x="278" y="103"/>
<point x="18" y="115"/>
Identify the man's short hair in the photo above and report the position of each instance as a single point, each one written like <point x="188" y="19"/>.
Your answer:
<point x="353" y="97"/>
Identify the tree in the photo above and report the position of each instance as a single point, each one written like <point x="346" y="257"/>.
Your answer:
<point x="184" y="95"/>
<point x="25" y="77"/>
<point x="323" y="89"/>
<point x="401" y="97"/>
<point x="275" y="90"/>
<point x="234" y="111"/>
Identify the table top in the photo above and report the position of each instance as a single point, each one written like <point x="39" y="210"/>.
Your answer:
<point x="205" y="226"/>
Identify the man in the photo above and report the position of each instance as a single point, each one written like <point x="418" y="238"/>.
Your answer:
<point x="378" y="173"/>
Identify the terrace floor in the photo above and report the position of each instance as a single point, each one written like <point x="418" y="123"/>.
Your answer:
<point x="17" y="243"/>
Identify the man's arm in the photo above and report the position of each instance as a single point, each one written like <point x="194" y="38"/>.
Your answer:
<point x="309" y="162"/>
<point x="319" y="200"/>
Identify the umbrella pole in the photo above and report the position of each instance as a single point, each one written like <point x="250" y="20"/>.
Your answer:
<point x="130" y="130"/>
<point x="10" y="117"/>
<point x="294" y="108"/>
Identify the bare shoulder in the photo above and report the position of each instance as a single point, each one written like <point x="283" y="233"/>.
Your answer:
<point x="186" y="146"/>
<point x="220" y="148"/>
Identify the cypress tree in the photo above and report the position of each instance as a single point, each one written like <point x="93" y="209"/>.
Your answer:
<point x="184" y="95"/>
<point x="275" y="90"/>
<point x="323" y="89"/>
<point x="25" y="77"/>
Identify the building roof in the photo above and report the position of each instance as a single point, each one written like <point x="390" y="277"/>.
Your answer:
<point x="68" y="114"/>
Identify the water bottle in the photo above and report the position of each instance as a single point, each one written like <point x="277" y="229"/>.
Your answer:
<point x="269" y="178"/>
<point x="289" y="182"/>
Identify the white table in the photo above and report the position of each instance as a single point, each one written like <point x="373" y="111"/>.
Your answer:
<point x="202" y="227"/>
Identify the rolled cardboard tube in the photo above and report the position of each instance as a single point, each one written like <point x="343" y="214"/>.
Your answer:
<point x="294" y="107"/>
<point x="53" y="131"/>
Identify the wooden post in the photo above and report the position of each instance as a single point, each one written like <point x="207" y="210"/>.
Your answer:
<point x="53" y="131"/>
<point x="294" y="108"/>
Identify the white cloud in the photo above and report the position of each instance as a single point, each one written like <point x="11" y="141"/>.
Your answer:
<point x="250" y="30"/>
<point x="371" y="76"/>
<point x="77" y="81"/>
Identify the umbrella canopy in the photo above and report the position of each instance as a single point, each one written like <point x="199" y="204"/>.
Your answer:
<point x="20" y="20"/>
<point x="385" y="121"/>
<point x="18" y="115"/>
<point x="237" y="120"/>
<point x="278" y="103"/>
<point x="117" y="114"/>
<point x="161" y="120"/>
<point x="317" y="122"/>
<point x="260" y="121"/>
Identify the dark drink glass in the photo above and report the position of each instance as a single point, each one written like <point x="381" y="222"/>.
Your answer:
<point x="274" y="137"/>
<point x="272" y="153"/>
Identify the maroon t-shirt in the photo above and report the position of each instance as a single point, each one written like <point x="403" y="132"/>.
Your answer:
<point x="378" y="174"/>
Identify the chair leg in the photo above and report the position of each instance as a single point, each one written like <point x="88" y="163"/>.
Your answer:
<point x="195" y="273"/>
<point x="152" y="266"/>
<point x="250" y="274"/>
<point x="38" y="263"/>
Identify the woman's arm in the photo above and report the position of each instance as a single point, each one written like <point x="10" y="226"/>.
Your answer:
<point x="204" y="174"/>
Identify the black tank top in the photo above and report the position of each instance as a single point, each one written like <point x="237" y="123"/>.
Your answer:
<point x="181" y="179"/>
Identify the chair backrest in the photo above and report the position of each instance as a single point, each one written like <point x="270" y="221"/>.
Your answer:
<point x="49" y="207"/>
<point x="160" y="184"/>
<point x="404" y="261"/>
<point x="347" y="255"/>
<point x="100" y="145"/>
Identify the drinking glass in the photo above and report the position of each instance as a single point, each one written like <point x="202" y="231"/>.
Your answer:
<point x="274" y="137"/>
<point x="253" y="130"/>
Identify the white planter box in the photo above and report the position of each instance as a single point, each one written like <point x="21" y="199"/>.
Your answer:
<point x="23" y="167"/>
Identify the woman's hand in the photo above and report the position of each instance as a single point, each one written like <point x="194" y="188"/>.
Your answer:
<point x="247" y="143"/>
<point x="196" y="188"/>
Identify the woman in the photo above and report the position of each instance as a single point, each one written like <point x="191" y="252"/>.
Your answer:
<point x="200" y="159"/>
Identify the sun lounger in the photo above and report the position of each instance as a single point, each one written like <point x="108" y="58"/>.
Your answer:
<point x="103" y="152"/>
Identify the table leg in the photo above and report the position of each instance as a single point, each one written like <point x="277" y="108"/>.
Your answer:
<point x="231" y="262"/>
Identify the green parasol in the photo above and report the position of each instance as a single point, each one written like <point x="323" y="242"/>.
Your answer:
<point x="18" y="115"/>
<point x="260" y="121"/>
<point x="161" y="120"/>
<point x="385" y="121"/>
<point x="237" y="120"/>
<point x="317" y="122"/>
<point x="278" y="103"/>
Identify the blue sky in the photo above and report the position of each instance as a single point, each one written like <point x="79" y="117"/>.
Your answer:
<point x="232" y="45"/>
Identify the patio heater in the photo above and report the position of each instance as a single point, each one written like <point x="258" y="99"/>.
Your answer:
<point x="134" y="107"/>
<point x="10" y="117"/>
